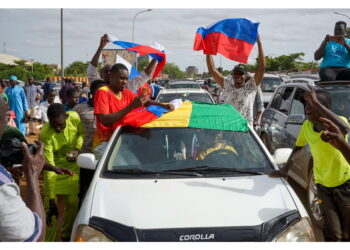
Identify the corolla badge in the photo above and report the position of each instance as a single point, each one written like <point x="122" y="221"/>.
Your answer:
<point x="193" y="237"/>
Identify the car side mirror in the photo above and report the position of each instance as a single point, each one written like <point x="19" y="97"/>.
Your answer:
<point x="281" y="155"/>
<point x="296" y="119"/>
<point x="87" y="161"/>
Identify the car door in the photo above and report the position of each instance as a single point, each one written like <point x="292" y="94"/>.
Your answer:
<point x="278" y="124"/>
<point x="301" y="159"/>
<point x="295" y="118"/>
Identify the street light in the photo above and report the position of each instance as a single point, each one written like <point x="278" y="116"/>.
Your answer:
<point x="31" y="60"/>
<point x="341" y="14"/>
<point x="133" y="21"/>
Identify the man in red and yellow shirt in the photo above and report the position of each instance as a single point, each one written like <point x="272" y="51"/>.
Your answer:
<point x="112" y="103"/>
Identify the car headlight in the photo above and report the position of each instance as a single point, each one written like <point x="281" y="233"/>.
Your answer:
<point x="86" y="233"/>
<point x="299" y="232"/>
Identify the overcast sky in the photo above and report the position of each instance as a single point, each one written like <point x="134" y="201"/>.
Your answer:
<point x="35" y="33"/>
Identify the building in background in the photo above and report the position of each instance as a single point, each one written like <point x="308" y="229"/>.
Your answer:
<point x="192" y="71"/>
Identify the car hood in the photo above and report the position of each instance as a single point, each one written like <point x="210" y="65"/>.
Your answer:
<point x="181" y="203"/>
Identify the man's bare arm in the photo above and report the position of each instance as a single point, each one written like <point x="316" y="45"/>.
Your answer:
<point x="96" y="57"/>
<point x="259" y="74"/>
<point x="219" y="79"/>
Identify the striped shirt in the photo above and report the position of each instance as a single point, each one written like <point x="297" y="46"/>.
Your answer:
<point x="87" y="117"/>
<point x="17" y="221"/>
<point x="31" y="94"/>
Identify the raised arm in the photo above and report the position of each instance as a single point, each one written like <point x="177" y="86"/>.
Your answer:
<point x="151" y="67"/>
<point x="219" y="79"/>
<point x="139" y="80"/>
<point x="320" y="51"/>
<point x="103" y="43"/>
<point x="311" y="98"/>
<point x="334" y="136"/>
<point x="259" y="74"/>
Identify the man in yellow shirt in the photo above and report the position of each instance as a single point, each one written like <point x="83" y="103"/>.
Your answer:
<point x="63" y="139"/>
<point x="331" y="169"/>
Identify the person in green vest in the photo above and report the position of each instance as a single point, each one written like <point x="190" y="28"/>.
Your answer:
<point x="63" y="139"/>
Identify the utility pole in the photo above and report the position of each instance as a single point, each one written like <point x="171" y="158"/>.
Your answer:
<point x="62" y="69"/>
<point x="4" y="47"/>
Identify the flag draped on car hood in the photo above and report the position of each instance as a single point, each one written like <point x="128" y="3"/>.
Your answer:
<point x="202" y="115"/>
<point x="157" y="52"/>
<point x="142" y="115"/>
<point x="233" y="38"/>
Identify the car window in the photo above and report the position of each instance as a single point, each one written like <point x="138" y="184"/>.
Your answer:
<point x="269" y="84"/>
<point x="193" y="97"/>
<point x="298" y="103"/>
<point x="276" y="102"/>
<point x="340" y="101"/>
<point x="286" y="100"/>
<point x="163" y="149"/>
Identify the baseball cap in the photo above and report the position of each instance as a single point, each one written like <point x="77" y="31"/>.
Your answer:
<point x="240" y="67"/>
<point x="13" y="78"/>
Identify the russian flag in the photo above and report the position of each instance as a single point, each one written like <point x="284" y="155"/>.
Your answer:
<point x="143" y="50"/>
<point x="132" y="70"/>
<point x="142" y="115"/>
<point x="233" y="38"/>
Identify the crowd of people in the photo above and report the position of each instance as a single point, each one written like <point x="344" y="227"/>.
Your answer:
<point x="86" y="117"/>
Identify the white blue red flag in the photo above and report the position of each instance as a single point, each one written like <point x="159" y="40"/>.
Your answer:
<point x="233" y="38"/>
<point x="132" y="70"/>
<point x="155" y="53"/>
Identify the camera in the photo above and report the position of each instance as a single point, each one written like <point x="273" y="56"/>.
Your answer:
<point x="11" y="152"/>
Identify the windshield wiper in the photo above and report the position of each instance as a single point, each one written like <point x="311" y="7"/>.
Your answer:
<point x="205" y="168"/>
<point x="138" y="171"/>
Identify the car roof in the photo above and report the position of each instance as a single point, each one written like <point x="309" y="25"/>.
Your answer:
<point x="183" y="82"/>
<point x="182" y="90"/>
<point x="272" y="75"/>
<point x="309" y="76"/>
<point x="333" y="83"/>
<point x="293" y="84"/>
<point x="300" y="80"/>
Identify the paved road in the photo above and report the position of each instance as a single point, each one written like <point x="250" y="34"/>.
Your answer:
<point x="303" y="197"/>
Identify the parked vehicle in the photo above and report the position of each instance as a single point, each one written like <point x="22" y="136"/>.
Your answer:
<point x="314" y="77"/>
<point x="300" y="80"/>
<point x="280" y="125"/>
<point x="168" y="182"/>
<point x="268" y="85"/>
<point x="183" y="84"/>
<point x="198" y="95"/>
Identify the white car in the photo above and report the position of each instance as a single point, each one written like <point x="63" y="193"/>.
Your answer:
<point x="184" y="84"/>
<point x="207" y="182"/>
<point x="268" y="85"/>
<point x="185" y="94"/>
<point x="301" y="80"/>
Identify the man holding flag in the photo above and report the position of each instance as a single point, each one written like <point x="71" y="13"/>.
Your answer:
<point x="112" y="105"/>
<point x="134" y="83"/>
<point x="234" y="38"/>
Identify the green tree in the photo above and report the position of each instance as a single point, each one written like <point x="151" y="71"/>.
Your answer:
<point x="23" y="70"/>
<point x="76" y="68"/>
<point x="142" y="65"/>
<point x="173" y="71"/>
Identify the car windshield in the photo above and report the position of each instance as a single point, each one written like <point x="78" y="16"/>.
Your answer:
<point x="184" y="85"/>
<point x="340" y="100"/>
<point x="184" y="151"/>
<point x="193" y="97"/>
<point x="269" y="84"/>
